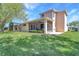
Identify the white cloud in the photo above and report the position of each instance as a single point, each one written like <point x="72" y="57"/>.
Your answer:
<point x="73" y="15"/>
<point x="31" y="6"/>
<point x="72" y="11"/>
<point x="74" y="18"/>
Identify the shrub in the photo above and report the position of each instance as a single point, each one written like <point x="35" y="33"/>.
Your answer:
<point x="40" y="31"/>
<point x="37" y="31"/>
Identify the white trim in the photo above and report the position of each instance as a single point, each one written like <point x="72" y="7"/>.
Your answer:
<point x="54" y="28"/>
<point x="45" y="26"/>
<point x="65" y="24"/>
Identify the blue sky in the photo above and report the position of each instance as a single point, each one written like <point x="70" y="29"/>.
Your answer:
<point x="34" y="9"/>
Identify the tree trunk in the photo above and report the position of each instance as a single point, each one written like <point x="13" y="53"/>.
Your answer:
<point x="3" y="23"/>
<point x="2" y="26"/>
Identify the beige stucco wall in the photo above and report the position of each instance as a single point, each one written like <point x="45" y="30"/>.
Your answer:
<point x="25" y="28"/>
<point x="49" y="14"/>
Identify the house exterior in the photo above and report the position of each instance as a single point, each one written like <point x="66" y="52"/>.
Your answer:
<point x="21" y="27"/>
<point x="51" y="22"/>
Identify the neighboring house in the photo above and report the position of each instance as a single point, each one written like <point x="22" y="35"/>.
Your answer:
<point x="73" y="28"/>
<point x="51" y="22"/>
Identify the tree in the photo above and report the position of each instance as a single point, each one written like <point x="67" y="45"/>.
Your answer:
<point x="10" y="11"/>
<point x="74" y="23"/>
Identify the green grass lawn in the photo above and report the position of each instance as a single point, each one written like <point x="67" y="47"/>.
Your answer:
<point x="36" y="44"/>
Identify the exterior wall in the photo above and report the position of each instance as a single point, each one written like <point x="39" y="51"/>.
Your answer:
<point x="49" y="14"/>
<point x="65" y="24"/>
<point x="59" y="22"/>
<point x="25" y="28"/>
<point x="16" y="28"/>
<point x="21" y="27"/>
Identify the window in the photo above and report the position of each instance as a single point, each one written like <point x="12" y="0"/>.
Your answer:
<point x="42" y="26"/>
<point x="50" y="15"/>
<point x="32" y="27"/>
<point x="24" y="24"/>
<point x="42" y="15"/>
<point x="15" y="28"/>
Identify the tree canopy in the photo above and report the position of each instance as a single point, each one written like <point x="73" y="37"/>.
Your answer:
<point x="74" y="23"/>
<point x="8" y="11"/>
